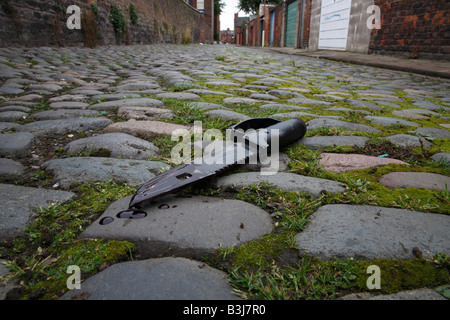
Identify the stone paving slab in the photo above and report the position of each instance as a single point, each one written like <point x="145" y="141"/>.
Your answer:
<point x="17" y="203"/>
<point x="427" y="105"/>
<point x="332" y="123"/>
<point x="185" y="226"/>
<point x="67" y="97"/>
<point x="290" y="115"/>
<point x="29" y="98"/>
<point x="237" y="100"/>
<point x="387" y="121"/>
<point x="9" y="116"/>
<point x="156" y="279"/>
<point x="69" y="105"/>
<point x="50" y="127"/>
<point x="283" y="181"/>
<point x="283" y="107"/>
<point x="321" y="142"/>
<point x="425" y="180"/>
<point x="149" y="129"/>
<point x="419" y="294"/>
<point x="434" y="132"/>
<point x="441" y="156"/>
<point x="136" y="86"/>
<point x="340" y="163"/>
<point x="15" y="108"/>
<point x="80" y="170"/>
<point x="373" y="232"/>
<point x="178" y="95"/>
<point x="207" y="106"/>
<point x="209" y="92"/>
<point x="8" y="126"/>
<point x="44" y="87"/>
<point x="10" y="169"/>
<point x="16" y="144"/>
<point x="64" y="114"/>
<point x="144" y="113"/>
<point x="408" y="140"/>
<point x="134" y="102"/>
<point x="121" y="145"/>
<point x="114" y="96"/>
<point x="305" y="100"/>
<point x="227" y="115"/>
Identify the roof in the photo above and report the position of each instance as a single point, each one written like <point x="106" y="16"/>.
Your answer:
<point x="239" y="22"/>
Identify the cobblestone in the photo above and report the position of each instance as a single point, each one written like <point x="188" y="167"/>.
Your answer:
<point x="374" y="199"/>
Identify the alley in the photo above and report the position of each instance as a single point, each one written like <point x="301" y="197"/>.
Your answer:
<point x="82" y="128"/>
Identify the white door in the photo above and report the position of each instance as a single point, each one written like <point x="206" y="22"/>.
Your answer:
<point x="334" y="20"/>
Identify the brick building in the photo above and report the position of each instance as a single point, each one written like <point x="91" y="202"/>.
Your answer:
<point x="227" y="36"/>
<point x="240" y="29"/>
<point x="410" y="28"/>
<point x="207" y="8"/>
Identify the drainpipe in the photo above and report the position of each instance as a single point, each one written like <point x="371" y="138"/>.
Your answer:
<point x="283" y="25"/>
<point x="212" y="21"/>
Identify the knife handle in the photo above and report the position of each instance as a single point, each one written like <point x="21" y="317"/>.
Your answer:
<point x="289" y="131"/>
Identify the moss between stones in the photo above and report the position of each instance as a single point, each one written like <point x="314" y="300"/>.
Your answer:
<point x="91" y="256"/>
<point x="41" y="258"/>
<point x="304" y="277"/>
<point x="398" y="275"/>
<point x="259" y="253"/>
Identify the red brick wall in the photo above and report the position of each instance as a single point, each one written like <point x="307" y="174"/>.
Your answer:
<point x="413" y="28"/>
<point x="306" y="23"/>
<point x="277" y="33"/>
<point x="239" y="34"/>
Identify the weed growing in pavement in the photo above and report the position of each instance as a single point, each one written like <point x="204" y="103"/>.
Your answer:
<point x="307" y="279"/>
<point x="40" y="258"/>
<point x="64" y="58"/>
<point x="289" y="209"/>
<point x="312" y="279"/>
<point x="186" y="113"/>
<point x="43" y="273"/>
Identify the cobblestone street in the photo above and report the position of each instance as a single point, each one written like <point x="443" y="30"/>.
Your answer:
<point x="81" y="129"/>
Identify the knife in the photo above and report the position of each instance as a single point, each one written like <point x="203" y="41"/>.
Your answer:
<point x="251" y="138"/>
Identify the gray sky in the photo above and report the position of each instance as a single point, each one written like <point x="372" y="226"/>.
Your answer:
<point x="227" y="16"/>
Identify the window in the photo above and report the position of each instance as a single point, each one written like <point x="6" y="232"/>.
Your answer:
<point x="201" y="5"/>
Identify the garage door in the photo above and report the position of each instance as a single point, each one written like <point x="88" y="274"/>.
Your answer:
<point x="334" y="20"/>
<point x="291" y="23"/>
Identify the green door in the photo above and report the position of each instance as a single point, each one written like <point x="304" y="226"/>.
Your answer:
<point x="291" y="24"/>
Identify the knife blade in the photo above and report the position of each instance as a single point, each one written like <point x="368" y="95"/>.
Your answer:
<point x="251" y="137"/>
